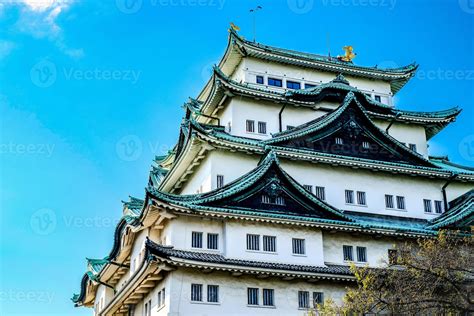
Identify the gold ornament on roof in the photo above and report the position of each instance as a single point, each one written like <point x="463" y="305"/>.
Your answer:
<point x="234" y="27"/>
<point x="349" y="56"/>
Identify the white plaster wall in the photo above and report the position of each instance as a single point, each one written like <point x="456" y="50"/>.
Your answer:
<point x="179" y="232"/>
<point x="408" y="134"/>
<point x="233" y="294"/>
<point x="253" y="67"/>
<point x="236" y="247"/>
<point x="377" y="248"/>
<point x="136" y="255"/>
<point x="153" y="296"/>
<point x="200" y="181"/>
<point x="337" y="179"/>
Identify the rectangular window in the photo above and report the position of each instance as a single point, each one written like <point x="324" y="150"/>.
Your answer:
<point x="438" y="207"/>
<point x="252" y="296"/>
<point x="427" y="205"/>
<point x="377" y="98"/>
<point x="220" y="181"/>
<point x="412" y="146"/>
<point x="273" y="200"/>
<point x="361" y="200"/>
<point x="268" y="297"/>
<point x="161" y="298"/>
<point x="275" y="82"/>
<point x="339" y="141"/>
<point x="299" y="246"/>
<point x="293" y="85"/>
<point x="361" y="254"/>
<point x="318" y="298"/>
<point x="213" y="293"/>
<point x="269" y="243"/>
<point x="262" y="127"/>
<point x="392" y="256"/>
<point x="349" y="197"/>
<point x="250" y="126"/>
<point x="196" y="292"/>
<point x="401" y="202"/>
<point x="308" y="187"/>
<point x="259" y="79"/>
<point x="303" y="299"/>
<point x="196" y="240"/>
<point x="366" y="145"/>
<point x="388" y="201"/>
<point x="147" y="309"/>
<point x="347" y="253"/>
<point x="309" y="85"/>
<point x="212" y="241"/>
<point x="253" y="242"/>
<point x="320" y="193"/>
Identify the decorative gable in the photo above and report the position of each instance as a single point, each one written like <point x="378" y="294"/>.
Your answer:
<point x="348" y="131"/>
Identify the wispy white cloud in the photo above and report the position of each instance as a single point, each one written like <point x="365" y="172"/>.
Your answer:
<point x="6" y="47"/>
<point x="39" y="19"/>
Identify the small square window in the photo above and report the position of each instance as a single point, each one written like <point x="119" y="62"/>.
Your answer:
<point x="262" y="127"/>
<point x="309" y="85"/>
<point x="268" y="297"/>
<point x="339" y="141"/>
<point x="253" y="242"/>
<point x="212" y="241"/>
<point x="361" y="198"/>
<point x="438" y="207"/>
<point x="389" y="201"/>
<point x="213" y="293"/>
<point x="347" y="253"/>
<point x="196" y="292"/>
<point x="308" y="187"/>
<point x="250" y="126"/>
<point x="299" y="246"/>
<point x="377" y="98"/>
<point x="401" y="202"/>
<point x="318" y="298"/>
<point x="259" y="79"/>
<point x="196" y="240"/>
<point x="427" y="205"/>
<point x="412" y="147"/>
<point x="252" y="296"/>
<point x="366" y="145"/>
<point x="320" y="193"/>
<point x="361" y="254"/>
<point x="293" y="85"/>
<point x="269" y="243"/>
<point x="303" y="299"/>
<point x="220" y="181"/>
<point x="349" y="197"/>
<point x="275" y="82"/>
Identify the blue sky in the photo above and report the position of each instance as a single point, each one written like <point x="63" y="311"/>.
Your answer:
<point x="90" y="91"/>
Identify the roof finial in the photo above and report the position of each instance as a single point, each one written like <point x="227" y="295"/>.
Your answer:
<point x="254" y="11"/>
<point x="349" y="56"/>
<point x="234" y="27"/>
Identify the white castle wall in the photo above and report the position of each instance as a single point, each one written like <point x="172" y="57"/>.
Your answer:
<point x="337" y="179"/>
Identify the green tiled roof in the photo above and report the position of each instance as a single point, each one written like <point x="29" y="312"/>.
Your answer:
<point x="460" y="213"/>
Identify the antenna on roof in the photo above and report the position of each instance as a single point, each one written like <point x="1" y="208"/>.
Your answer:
<point x="328" y="41"/>
<point x="254" y="11"/>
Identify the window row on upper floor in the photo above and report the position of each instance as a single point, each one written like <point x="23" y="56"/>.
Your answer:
<point x="294" y="84"/>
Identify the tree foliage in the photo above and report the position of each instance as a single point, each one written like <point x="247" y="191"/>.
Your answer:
<point x="428" y="277"/>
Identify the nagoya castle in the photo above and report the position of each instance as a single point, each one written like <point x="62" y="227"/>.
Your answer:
<point x="289" y="168"/>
